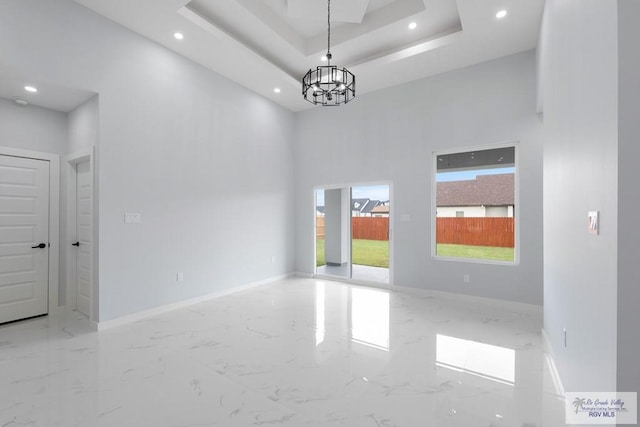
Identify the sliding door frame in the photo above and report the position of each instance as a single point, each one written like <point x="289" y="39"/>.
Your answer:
<point x="350" y="279"/>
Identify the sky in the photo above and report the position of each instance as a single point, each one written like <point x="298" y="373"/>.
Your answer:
<point x="470" y="174"/>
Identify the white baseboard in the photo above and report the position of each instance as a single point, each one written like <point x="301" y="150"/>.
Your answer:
<point x="532" y="309"/>
<point x="524" y="307"/>
<point x="304" y="275"/>
<point x="550" y="359"/>
<point x="134" y="317"/>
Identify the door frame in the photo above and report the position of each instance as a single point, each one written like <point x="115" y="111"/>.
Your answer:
<point x="71" y="162"/>
<point x="54" y="217"/>
<point x="315" y="228"/>
<point x="391" y="234"/>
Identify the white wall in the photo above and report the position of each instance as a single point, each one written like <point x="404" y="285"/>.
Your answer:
<point x="476" y="211"/>
<point x="390" y="135"/>
<point x="207" y="163"/>
<point x="469" y="211"/>
<point x="83" y="124"/>
<point x="628" y="196"/>
<point x="32" y="128"/>
<point x="500" y="211"/>
<point x="579" y="71"/>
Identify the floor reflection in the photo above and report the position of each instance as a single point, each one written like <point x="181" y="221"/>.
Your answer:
<point x="364" y="273"/>
<point x="370" y="317"/>
<point x="320" y="313"/>
<point x="365" y="321"/>
<point x="483" y="360"/>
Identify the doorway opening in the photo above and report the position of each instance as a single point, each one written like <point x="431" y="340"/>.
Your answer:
<point x="352" y="238"/>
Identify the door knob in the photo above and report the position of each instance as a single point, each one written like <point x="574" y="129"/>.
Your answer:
<point x="75" y="244"/>
<point x="40" y="246"/>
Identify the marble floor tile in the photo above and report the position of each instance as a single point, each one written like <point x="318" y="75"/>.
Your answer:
<point x="297" y="352"/>
<point x="364" y="273"/>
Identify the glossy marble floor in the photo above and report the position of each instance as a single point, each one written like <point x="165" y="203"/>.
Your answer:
<point x="297" y="352"/>
<point x="359" y="272"/>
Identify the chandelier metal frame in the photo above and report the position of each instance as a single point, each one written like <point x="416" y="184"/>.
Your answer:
<point x="329" y="85"/>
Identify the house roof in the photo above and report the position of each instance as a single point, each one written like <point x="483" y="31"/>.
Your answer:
<point x="363" y="205"/>
<point x="370" y="206"/>
<point x="380" y="209"/>
<point x="358" y="204"/>
<point x="485" y="190"/>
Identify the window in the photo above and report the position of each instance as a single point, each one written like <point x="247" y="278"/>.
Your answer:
<point x="475" y="204"/>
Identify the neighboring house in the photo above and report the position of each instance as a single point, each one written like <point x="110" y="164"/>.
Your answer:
<point x="363" y="207"/>
<point x="381" y="210"/>
<point x="486" y="196"/>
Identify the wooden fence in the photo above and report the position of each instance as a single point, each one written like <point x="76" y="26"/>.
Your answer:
<point x="497" y="232"/>
<point x="320" y="227"/>
<point x="370" y="228"/>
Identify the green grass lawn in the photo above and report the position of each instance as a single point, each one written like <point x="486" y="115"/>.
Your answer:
<point x="374" y="253"/>
<point x="320" y="252"/>
<point x="477" y="252"/>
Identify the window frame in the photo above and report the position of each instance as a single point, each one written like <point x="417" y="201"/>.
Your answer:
<point x="516" y="189"/>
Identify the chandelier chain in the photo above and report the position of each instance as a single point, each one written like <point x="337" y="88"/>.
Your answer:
<point x="329" y="30"/>
<point x="328" y="84"/>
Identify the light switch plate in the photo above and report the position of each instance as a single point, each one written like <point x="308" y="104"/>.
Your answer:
<point x="593" y="222"/>
<point x="132" y="218"/>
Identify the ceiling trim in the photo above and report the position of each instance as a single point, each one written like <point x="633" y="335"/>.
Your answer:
<point x="430" y="43"/>
<point x="220" y="33"/>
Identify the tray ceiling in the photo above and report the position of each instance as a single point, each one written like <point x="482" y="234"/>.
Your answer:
<point x="264" y="44"/>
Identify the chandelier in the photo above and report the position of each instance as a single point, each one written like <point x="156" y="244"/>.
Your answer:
<point x="328" y="84"/>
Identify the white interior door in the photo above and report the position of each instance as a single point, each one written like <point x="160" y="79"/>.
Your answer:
<point x="84" y="236"/>
<point x="24" y="238"/>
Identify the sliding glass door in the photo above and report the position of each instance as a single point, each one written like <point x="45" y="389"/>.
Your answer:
<point x="352" y="232"/>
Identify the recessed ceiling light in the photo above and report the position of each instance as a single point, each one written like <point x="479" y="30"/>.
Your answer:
<point x="324" y="58"/>
<point x="413" y="26"/>
<point x="178" y="36"/>
<point x="30" y="89"/>
<point x="21" y="101"/>
<point x="501" y="14"/>
<point x="276" y="90"/>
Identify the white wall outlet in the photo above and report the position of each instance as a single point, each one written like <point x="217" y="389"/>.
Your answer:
<point x="467" y="278"/>
<point x="273" y="259"/>
<point x="564" y="336"/>
<point x="132" y="218"/>
<point x="180" y="276"/>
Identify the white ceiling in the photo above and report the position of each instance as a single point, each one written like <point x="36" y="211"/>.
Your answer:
<point x="49" y="95"/>
<point x="264" y="44"/>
